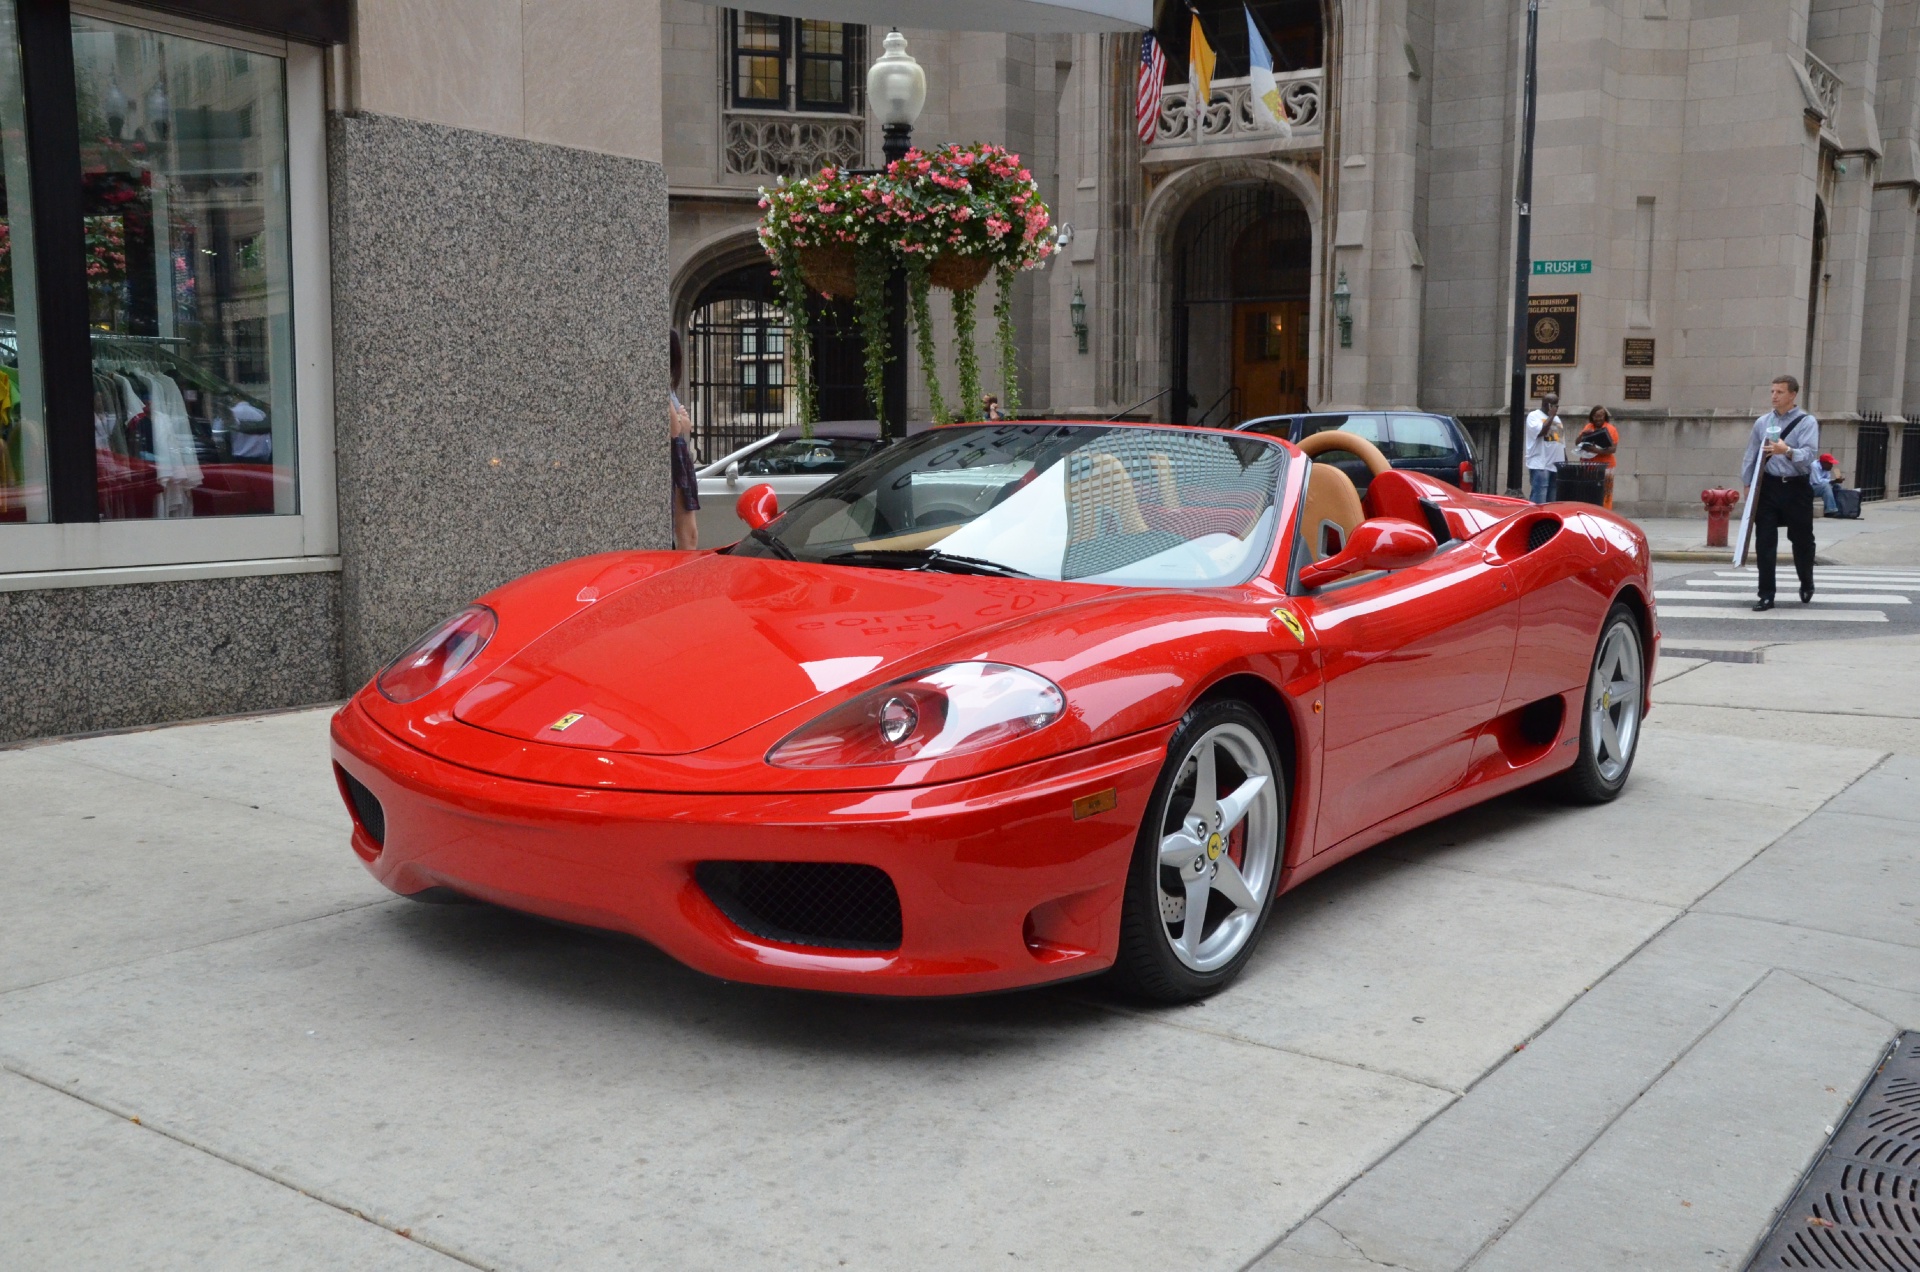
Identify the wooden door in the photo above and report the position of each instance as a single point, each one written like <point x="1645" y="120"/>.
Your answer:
<point x="1270" y="357"/>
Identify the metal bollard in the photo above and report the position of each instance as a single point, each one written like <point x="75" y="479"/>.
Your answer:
<point x="1718" y="502"/>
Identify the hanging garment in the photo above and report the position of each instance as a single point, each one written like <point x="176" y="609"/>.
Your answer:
<point x="174" y="462"/>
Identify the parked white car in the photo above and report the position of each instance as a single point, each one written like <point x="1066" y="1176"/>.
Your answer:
<point x="790" y="463"/>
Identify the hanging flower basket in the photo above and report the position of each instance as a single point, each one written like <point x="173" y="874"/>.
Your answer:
<point x="832" y="270"/>
<point x="949" y="217"/>
<point x="959" y="273"/>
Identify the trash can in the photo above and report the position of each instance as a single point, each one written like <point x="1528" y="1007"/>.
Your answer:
<point x="1581" y="483"/>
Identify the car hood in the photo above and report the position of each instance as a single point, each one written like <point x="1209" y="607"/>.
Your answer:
<point x="685" y="659"/>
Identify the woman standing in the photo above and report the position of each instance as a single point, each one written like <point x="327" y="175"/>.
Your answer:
<point x="685" y="493"/>
<point x="1597" y="444"/>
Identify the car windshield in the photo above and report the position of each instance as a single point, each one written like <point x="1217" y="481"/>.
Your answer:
<point x="1141" y="506"/>
<point x="808" y="456"/>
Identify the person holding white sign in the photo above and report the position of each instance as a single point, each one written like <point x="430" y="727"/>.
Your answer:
<point x="1778" y="458"/>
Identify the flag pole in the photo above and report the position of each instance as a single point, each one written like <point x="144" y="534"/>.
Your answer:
<point x="1523" y="261"/>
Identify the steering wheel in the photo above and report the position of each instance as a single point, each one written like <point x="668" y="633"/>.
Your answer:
<point x="1315" y="444"/>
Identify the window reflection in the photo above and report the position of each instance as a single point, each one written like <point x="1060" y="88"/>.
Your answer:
<point x="184" y="185"/>
<point x="23" y="451"/>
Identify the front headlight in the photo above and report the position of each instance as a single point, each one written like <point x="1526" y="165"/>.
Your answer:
<point x="948" y="710"/>
<point x="438" y="657"/>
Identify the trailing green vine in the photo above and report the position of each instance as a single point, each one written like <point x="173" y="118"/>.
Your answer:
<point x="1009" y="351"/>
<point x="917" y="293"/>
<point x="870" y="306"/>
<point x="794" y="295"/>
<point x="965" y="355"/>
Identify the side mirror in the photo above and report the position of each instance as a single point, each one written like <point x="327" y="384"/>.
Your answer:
<point x="758" y="505"/>
<point x="733" y="472"/>
<point x="1379" y="543"/>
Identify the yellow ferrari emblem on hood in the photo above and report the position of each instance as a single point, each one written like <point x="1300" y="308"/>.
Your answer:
<point x="567" y="721"/>
<point x="1291" y="621"/>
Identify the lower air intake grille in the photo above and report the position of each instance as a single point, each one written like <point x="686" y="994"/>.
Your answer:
<point x="1540" y="531"/>
<point x="1859" y="1207"/>
<point x="836" y="905"/>
<point x="365" y="805"/>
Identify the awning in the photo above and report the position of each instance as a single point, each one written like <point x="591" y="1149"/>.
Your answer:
<point x="1065" y="16"/>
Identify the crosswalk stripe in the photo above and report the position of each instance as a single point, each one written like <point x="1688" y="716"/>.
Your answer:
<point x="1819" y="598"/>
<point x="1864" y="575"/>
<point x="1777" y="616"/>
<point x="1746" y="585"/>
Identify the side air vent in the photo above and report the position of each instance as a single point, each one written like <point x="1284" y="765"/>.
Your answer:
<point x="365" y="806"/>
<point x="831" y="904"/>
<point x="1540" y="531"/>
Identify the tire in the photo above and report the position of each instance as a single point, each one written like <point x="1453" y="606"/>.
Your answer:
<point x="1237" y="848"/>
<point x="1610" y="713"/>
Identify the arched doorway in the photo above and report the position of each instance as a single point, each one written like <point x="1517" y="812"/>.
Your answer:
<point x="1242" y="283"/>
<point x="740" y="375"/>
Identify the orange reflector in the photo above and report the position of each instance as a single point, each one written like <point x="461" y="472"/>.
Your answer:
<point x="1088" y="805"/>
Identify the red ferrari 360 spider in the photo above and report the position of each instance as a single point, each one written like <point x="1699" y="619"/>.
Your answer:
<point x="1005" y="704"/>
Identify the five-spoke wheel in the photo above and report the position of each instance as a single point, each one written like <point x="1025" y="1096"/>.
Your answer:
<point x="1610" y="722"/>
<point x="1208" y="858"/>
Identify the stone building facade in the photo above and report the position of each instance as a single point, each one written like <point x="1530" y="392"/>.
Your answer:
<point x="1729" y="185"/>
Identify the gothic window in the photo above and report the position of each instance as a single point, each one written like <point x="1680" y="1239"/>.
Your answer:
<point x="796" y="63"/>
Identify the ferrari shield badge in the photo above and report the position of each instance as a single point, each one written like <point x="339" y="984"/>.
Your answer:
<point x="567" y="721"/>
<point x="1291" y="621"/>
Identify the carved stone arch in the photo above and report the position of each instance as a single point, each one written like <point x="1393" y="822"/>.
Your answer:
<point x="713" y="257"/>
<point x="1160" y="221"/>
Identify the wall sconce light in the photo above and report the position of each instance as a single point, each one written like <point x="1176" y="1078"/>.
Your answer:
<point x="1343" y="309"/>
<point x="1077" y="309"/>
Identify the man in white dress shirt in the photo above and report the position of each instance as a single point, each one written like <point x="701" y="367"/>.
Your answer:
<point x="1789" y="438"/>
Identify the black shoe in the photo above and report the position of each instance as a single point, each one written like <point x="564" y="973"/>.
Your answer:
<point x="1764" y="603"/>
<point x="1806" y="596"/>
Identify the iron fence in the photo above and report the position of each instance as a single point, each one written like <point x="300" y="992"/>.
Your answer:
<point x="1870" y="462"/>
<point x="1483" y="432"/>
<point x="1910" y="457"/>
<point x="738" y="376"/>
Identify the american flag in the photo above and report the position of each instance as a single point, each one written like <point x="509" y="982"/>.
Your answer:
<point x="1153" y="75"/>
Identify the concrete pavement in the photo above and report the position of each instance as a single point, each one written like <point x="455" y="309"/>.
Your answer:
<point x="1525" y="1037"/>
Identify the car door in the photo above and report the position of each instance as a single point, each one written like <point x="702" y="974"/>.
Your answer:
<point x="1415" y="663"/>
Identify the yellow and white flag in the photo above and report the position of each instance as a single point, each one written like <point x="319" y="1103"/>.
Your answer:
<point x="1200" y="60"/>
<point x="1268" y="110"/>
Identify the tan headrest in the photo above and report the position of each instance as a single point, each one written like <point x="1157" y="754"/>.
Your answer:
<point x="1331" y="501"/>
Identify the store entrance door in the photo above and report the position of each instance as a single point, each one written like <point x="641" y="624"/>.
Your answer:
<point x="1270" y="358"/>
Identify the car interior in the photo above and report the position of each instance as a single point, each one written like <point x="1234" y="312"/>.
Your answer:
<point x="1333" y="507"/>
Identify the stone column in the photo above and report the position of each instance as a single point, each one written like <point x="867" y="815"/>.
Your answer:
<point x="499" y="222"/>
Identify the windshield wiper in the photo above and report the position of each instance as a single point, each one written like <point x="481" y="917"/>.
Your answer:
<point x="759" y="535"/>
<point x="924" y="559"/>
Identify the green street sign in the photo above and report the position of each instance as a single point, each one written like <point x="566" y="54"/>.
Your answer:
<point x="1563" y="267"/>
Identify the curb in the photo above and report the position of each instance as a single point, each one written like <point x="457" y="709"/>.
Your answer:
<point x="1716" y="556"/>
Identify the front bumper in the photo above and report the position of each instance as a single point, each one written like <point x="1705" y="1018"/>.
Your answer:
<point x="999" y="884"/>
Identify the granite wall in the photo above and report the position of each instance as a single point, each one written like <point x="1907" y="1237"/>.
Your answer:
<point x="143" y="653"/>
<point x="500" y="343"/>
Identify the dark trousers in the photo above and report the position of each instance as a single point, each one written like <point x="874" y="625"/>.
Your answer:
<point x="1784" y="501"/>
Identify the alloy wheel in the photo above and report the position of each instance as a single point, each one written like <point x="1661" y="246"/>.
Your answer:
<point x="1613" y="701"/>
<point x="1219" y="847"/>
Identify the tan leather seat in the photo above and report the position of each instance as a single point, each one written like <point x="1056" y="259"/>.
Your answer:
<point x="1332" y="510"/>
<point x="1103" y="490"/>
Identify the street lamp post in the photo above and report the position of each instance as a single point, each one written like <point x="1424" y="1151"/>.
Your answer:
<point x="1523" y="260"/>
<point x="897" y="87"/>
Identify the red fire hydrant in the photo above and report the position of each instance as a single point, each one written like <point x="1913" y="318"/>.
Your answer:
<point x="1718" y="502"/>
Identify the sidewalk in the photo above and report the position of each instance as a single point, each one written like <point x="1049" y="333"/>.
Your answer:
<point x="1529" y="1036"/>
<point x="1888" y="533"/>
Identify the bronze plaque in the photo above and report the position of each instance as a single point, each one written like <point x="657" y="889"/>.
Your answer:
<point x="1553" y="331"/>
<point x="1541" y="383"/>
<point x="1639" y="388"/>
<point x="1639" y="351"/>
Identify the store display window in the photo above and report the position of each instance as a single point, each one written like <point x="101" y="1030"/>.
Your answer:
<point x="23" y="449"/>
<point x="183" y="164"/>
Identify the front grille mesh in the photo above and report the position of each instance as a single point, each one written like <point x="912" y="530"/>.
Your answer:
<point x="365" y="805"/>
<point x="835" y="905"/>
